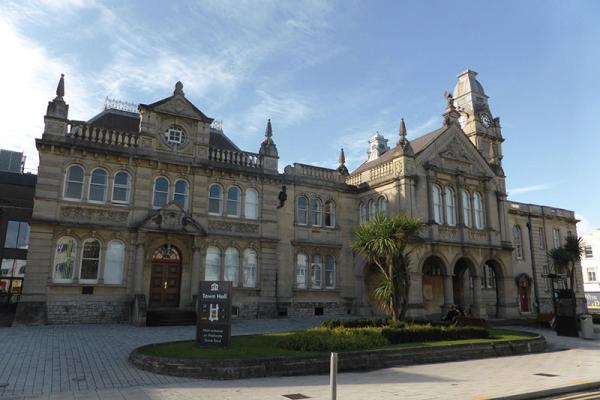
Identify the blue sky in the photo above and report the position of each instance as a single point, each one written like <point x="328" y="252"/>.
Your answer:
<point x="328" y="74"/>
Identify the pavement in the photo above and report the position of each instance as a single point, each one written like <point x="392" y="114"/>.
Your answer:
<point x="90" y="362"/>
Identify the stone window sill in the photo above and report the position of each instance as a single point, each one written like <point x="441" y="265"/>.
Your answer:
<point x="80" y="284"/>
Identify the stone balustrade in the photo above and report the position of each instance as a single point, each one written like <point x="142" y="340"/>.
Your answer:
<point x="310" y="171"/>
<point x="382" y="171"/>
<point x="81" y="131"/>
<point x="239" y="158"/>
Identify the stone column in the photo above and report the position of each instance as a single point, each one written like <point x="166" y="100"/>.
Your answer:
<point x="138" y="275"/>
<point x="448" y="293"/>
<point x="195" y="273"/>
<point x="478" y="308"/>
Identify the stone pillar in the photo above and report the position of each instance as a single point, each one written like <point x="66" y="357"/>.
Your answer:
<point x="448" y="293"/>
<point x="478" y="309"/>
<point x="195" y="273"/>
<point x="138" y="275"/>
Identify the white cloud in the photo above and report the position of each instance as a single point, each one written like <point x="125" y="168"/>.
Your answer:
<point x="584" y="226"/>
<point x="428" y="126"/>
<point x="531" y="188"/>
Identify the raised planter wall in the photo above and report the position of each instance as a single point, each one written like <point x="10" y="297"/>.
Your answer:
<point x="347" y="361"/>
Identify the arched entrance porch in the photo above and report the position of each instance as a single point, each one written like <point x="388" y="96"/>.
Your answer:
<point x="434" y="271"/>
<point x="165" y="279"/>
<point x="492" y="287"/>
<point x="466" y="295"/>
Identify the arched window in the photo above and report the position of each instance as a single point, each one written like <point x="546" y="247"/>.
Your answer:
<point x="301" y="266"/>
<point x="249" y="266"/>
<point x="382" y="205"/>
<point x="488" y="280"/>
<point x="478" y="210"/>
<point x="74" y="183"/>
<point x="317" y="211"/>
<point x="372" y="210"/>
<point x="466" y="205"/>
<point x="121" y="188"/>
<point x="315" y="272"/>
<point x="232" y="265"/>
<point x="251" y="204"/>
<point x="450" y="206"/>
<point x="215" y="199"/>
<point x="362" y="213"/>
<point x="234" y="201"/>
<point x="436" y="195"/>
<point x="90" y="261"/>
<point x="518" y="242"/>
<point x="115" y="260"/>
<point x="161" y="192"/>
<point x="181" y="193"/>
<point x="212" y="270"/>
<point x="330" y="272"/>
<point x="556" y="237"/>
<point x="98" y="184"/>
<point x="64" y="259"/>
<point x="302" y="210"/>
<point x="330" y="214"/>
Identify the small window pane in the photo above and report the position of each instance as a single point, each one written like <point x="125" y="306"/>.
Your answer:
<point x="232" y="265"/>
<point x="12" y="234"/>
<point x="98" y="185"/>
<point x="302" y="210"/>
<point x="317" y="210"/>
<point x="215" y="198"/>
<point x="372" y="210"/>
<point x="74" y="182"/>
<point x="450" y="206"/>
<point x="330" y="214"/>
<point x="121" y="187"/>
<point x="315" y="275"/>
<point x="382" y="205"/>
<point x="161" y="192"/>
<point x="249" y="265"/>
<point x="466" y="200"/>
<point x="115" y="259"/>
<point x="251" y="204"/>
<point x="233" y="201"/>
<point x="437" y="204"/>
<point x="330" y="272"/>
<point x="181" y="194"/>
<point x="213" y="264"/>
<point x="301" y="265"/>
<point x="64" y="259"/>
<point x="90" y="259"/>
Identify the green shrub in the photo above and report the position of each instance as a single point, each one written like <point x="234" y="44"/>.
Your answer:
<point x="360" y="323"/>
<point x="428" y="333"/>
<point x="334" y="339"/>
<point x="596" y="318"/>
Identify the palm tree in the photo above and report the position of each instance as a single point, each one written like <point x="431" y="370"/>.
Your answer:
<point x="384" y="242"/>
<point x="574" y="248"/>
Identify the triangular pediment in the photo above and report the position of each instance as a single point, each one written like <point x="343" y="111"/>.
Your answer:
<point x="178" y="105"/>
<point x="171" y="218"/>
<point x="453" y="151"/>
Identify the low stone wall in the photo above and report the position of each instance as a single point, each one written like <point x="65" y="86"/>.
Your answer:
<point x="92" y="312"/>
<point x="348" y="361"/>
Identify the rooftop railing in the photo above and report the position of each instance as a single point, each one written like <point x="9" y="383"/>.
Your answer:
<point x="240" y="158"/>
<point x="82" y="131"/>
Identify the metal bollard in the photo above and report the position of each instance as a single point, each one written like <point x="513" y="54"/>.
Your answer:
<point x="333" y="376"/>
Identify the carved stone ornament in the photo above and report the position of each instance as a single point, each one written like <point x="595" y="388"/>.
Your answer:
<point x="455" y="151"/>
<point x="95" y="215"/>
<point x="232" y="227"/>
<point x="171" y="218"/>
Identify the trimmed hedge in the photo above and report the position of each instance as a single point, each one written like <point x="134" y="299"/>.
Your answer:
<point x="337" y="339"/>
<point x="361" y="323"/>
<point x="428" y="333"/>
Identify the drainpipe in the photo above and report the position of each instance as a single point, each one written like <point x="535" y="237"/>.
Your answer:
<point x="533" y="270"/>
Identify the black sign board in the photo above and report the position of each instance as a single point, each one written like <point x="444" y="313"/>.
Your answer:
<point x="213" y="327"/>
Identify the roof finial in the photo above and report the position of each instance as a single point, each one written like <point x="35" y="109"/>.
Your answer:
<point x="342" y="167"/>
<point x="178" y="89"/>
<point x="402" y="131"/>
<point x="269" y="130"/>
<point x="60" y="89"/>
<point x="451" y="115"/>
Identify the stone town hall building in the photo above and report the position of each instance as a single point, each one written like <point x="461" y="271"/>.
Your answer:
<point x="135" y="206"/>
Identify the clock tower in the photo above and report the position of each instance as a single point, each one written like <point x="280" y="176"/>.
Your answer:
<point x="476" y="119"/>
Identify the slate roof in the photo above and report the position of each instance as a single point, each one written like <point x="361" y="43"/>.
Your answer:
<point x="418" y="145"/>
<point x="127" y="121"/>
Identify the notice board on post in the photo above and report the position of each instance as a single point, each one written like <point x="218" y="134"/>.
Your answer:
<point x="213" y="326"/>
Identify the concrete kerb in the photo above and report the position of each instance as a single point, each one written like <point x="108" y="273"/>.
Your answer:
<point x="550" y="392"/>
<point x="348" y="361"/>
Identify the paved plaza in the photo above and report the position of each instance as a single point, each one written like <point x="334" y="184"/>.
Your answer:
<point x="90" y="362"/>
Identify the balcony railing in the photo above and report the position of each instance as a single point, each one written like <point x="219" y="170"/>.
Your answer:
<point x="240" y="158"/>
<point x="94" y="134"/>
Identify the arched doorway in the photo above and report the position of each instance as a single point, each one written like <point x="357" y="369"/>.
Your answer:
<point x="524" y="287"/>
<point x="463" y="284"/>
<point x="490" y="287"/>
<point x="433" y="286"/>
<point x="165" y="280"/>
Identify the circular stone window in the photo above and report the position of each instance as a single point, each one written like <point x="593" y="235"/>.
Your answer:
<point x="175" y="136"/>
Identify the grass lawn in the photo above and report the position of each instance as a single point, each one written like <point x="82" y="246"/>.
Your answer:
<point x="265" y="346"/>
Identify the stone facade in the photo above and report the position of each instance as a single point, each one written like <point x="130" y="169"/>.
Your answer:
<point x="134" y="207"/>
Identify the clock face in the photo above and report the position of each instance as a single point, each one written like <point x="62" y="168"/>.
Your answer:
<point x="485" y="120"/>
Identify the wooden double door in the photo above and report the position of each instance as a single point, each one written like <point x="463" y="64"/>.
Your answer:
<point x="165" y="283"/>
